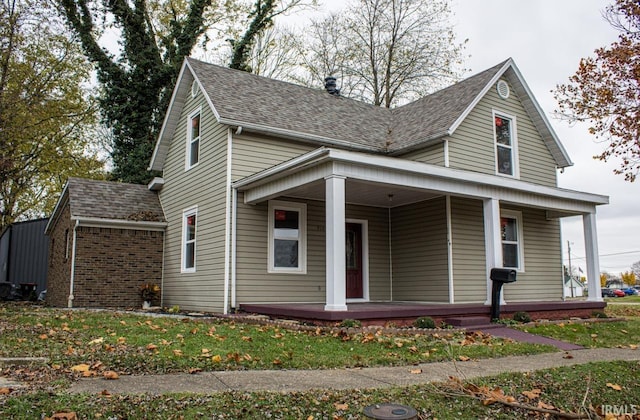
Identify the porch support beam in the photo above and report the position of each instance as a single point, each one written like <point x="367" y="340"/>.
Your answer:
<point x="492" y="240"/>
<point x="336" y="299"/>
<point x="593" y="263"/>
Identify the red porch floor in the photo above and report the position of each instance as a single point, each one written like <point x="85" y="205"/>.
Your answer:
<point x="399" y="312"/>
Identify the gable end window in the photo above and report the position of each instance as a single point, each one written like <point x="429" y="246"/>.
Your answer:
<point x="512" y="243"/>
<point x="189" y="232"/>
<point x="505" y="143"/>
<point x="287" y="237"/>
<point x="193" y="140"/>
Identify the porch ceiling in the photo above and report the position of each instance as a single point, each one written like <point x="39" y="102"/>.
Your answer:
<point x="366" y="193"/>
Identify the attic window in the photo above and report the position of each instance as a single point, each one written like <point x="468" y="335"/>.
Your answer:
<point x="505" y="144"/>
<point x="194" y="89"/>
<point x="503" y="89"/>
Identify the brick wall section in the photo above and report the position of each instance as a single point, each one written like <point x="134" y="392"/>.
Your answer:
<point x="59" y="271"/>
<point x="112" y="264"/>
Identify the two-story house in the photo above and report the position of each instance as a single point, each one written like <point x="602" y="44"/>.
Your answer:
<point x="293" y="201"/>
<point x="277" y="195"/>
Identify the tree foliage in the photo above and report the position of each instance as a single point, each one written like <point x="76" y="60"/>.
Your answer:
<point x="605" y="91"/>
<point x="153" y="38"/>
<point x="385" y="51"/>
<point x="628" y="277"/>
<point x="635" y="268"/>
<point x="45" y="116"/>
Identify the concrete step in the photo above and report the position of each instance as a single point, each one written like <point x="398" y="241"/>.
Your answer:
<point x="468" y="321"/>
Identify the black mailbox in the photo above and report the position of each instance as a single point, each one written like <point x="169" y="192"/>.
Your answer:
<point x="499" y="276"/>
<point x="503" y="275"/>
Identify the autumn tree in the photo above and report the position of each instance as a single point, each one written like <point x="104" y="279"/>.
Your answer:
<point x="628" y="277"/>
<point x="605" y="91"/>
<point x="635" y="268"/>
<point x="45" y="115"/>
<point x="385" y="51"/>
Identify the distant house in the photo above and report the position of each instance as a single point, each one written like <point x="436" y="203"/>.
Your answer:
<point x="279" y="198"/>
<point x="106" y="242"/>
<point x="573" y="287"/>
<point x="24" y="251"/>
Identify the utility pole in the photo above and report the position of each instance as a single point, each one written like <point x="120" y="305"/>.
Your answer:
<point x="570" y="272"/>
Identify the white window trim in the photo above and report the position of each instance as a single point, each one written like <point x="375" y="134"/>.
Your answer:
<point x="301" y="208"/>
<point x="517" y="215"/>
<point x="187" y="160"/>
<point x="192" y="211"/>
<point x="514" y="143"/>
<point x="194" y="88"/>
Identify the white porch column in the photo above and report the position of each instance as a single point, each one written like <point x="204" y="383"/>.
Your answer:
<point x="335" y="249"/>
<point x="492" y="240"/>
<point x="593" y="262"/>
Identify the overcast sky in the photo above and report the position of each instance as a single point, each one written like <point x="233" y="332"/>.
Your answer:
<point x="547" y="38"/>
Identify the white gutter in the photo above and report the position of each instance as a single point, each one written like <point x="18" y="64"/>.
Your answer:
<point x="119" y="223"/>
<point x="73" y="266"/>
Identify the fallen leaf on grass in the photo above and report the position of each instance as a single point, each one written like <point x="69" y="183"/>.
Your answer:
<point x="277" y="362"/>
<point x="193" y="371"/>
<point x="151" y="347"/>
<point x="96" y="341"/>
<point x="43" y="336"/>
<point x="546" y="406"/>
<point x="633" y="347"/>
<point x="533" y="394"/>
<point x="83" y="367"/>
<point x="5" y="391"/>
<point x="216" y="359"/>
<point x="341" y="406"/>
<point x="416" y="371"/>
<point x="464" y="358"/>
<point x="111" y="375"/>
<point x="615" y="387"/>
<point x="63" y="416"/>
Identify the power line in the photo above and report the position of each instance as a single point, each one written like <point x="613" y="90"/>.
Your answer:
<point x="608" y="255"/>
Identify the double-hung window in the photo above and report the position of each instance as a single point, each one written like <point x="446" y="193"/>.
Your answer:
<point x="506" y="147"/>
<point x="189" y="231"/>
<point x="512" y="243"/>
<point x="193" y="139"/>
<point x="287" y="237"/>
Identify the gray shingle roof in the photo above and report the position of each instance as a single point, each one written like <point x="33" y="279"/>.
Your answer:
<point x="113" y="200"/>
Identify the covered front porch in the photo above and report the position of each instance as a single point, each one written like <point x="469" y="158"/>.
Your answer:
<point x="470" y="209"/>
<point x="404" y="313"/>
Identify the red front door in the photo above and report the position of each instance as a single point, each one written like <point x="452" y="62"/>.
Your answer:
<point x="353" y="248"/>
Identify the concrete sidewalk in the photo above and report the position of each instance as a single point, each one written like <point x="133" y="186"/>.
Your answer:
<point x="301" y="380"/>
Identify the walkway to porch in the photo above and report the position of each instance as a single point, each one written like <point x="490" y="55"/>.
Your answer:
<point x="404" y="313"/>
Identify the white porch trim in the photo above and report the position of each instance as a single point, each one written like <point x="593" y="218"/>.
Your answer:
<point x="492" y="240"/>
<point x="593" y="264"/>
<point x="336" y="281"/>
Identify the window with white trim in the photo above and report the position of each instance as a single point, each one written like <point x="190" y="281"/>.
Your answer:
<point x="287" y="237"/>
<point x="511" y="236"/>
<point x="506" y="147"/>
<point x="189" y="231"/>
<point x="193" y="140"/>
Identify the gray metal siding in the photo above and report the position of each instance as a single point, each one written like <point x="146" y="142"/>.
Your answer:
<point x="542" y="276"/>
<point x="203" y="186"/>
<point x="419" y="244"/>
<point x="25" y="249"/>
<point x="469" y="261"/>
<point x="472" y="145"/>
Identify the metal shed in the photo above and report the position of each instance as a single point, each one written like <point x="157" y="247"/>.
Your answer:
<point x="24" y="254"/>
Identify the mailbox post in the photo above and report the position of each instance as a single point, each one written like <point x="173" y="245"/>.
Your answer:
<point x="499" y="276"/>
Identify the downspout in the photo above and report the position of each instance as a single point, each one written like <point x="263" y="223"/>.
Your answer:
<point x="234" y="229"/>
<point x="227" y="223"/>
<point x="446" y="153"/>
<point x="73" y="265"/>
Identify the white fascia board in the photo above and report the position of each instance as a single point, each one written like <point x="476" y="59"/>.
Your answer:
<point x="119" y="223"/>
<point x="478" y="98"/>
<point x="54" y="215"/>
<point x="367" y="167"/>
<point x="296" y="135"/>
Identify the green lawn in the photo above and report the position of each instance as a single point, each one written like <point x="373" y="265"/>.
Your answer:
<point x="599" y="385"/>
<point x="129" y="344"/>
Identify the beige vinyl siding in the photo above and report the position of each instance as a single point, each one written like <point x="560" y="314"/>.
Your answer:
<point x="471" y="147"/>
<point x="256" y="285"/>
<point x="469" y="261"/>
<point x="419" y="243"/>
<point x="253" y="153"/>
<point x="433" y="154"/>
<point x="542" y="276"/>
<point x="204" y="186"/>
